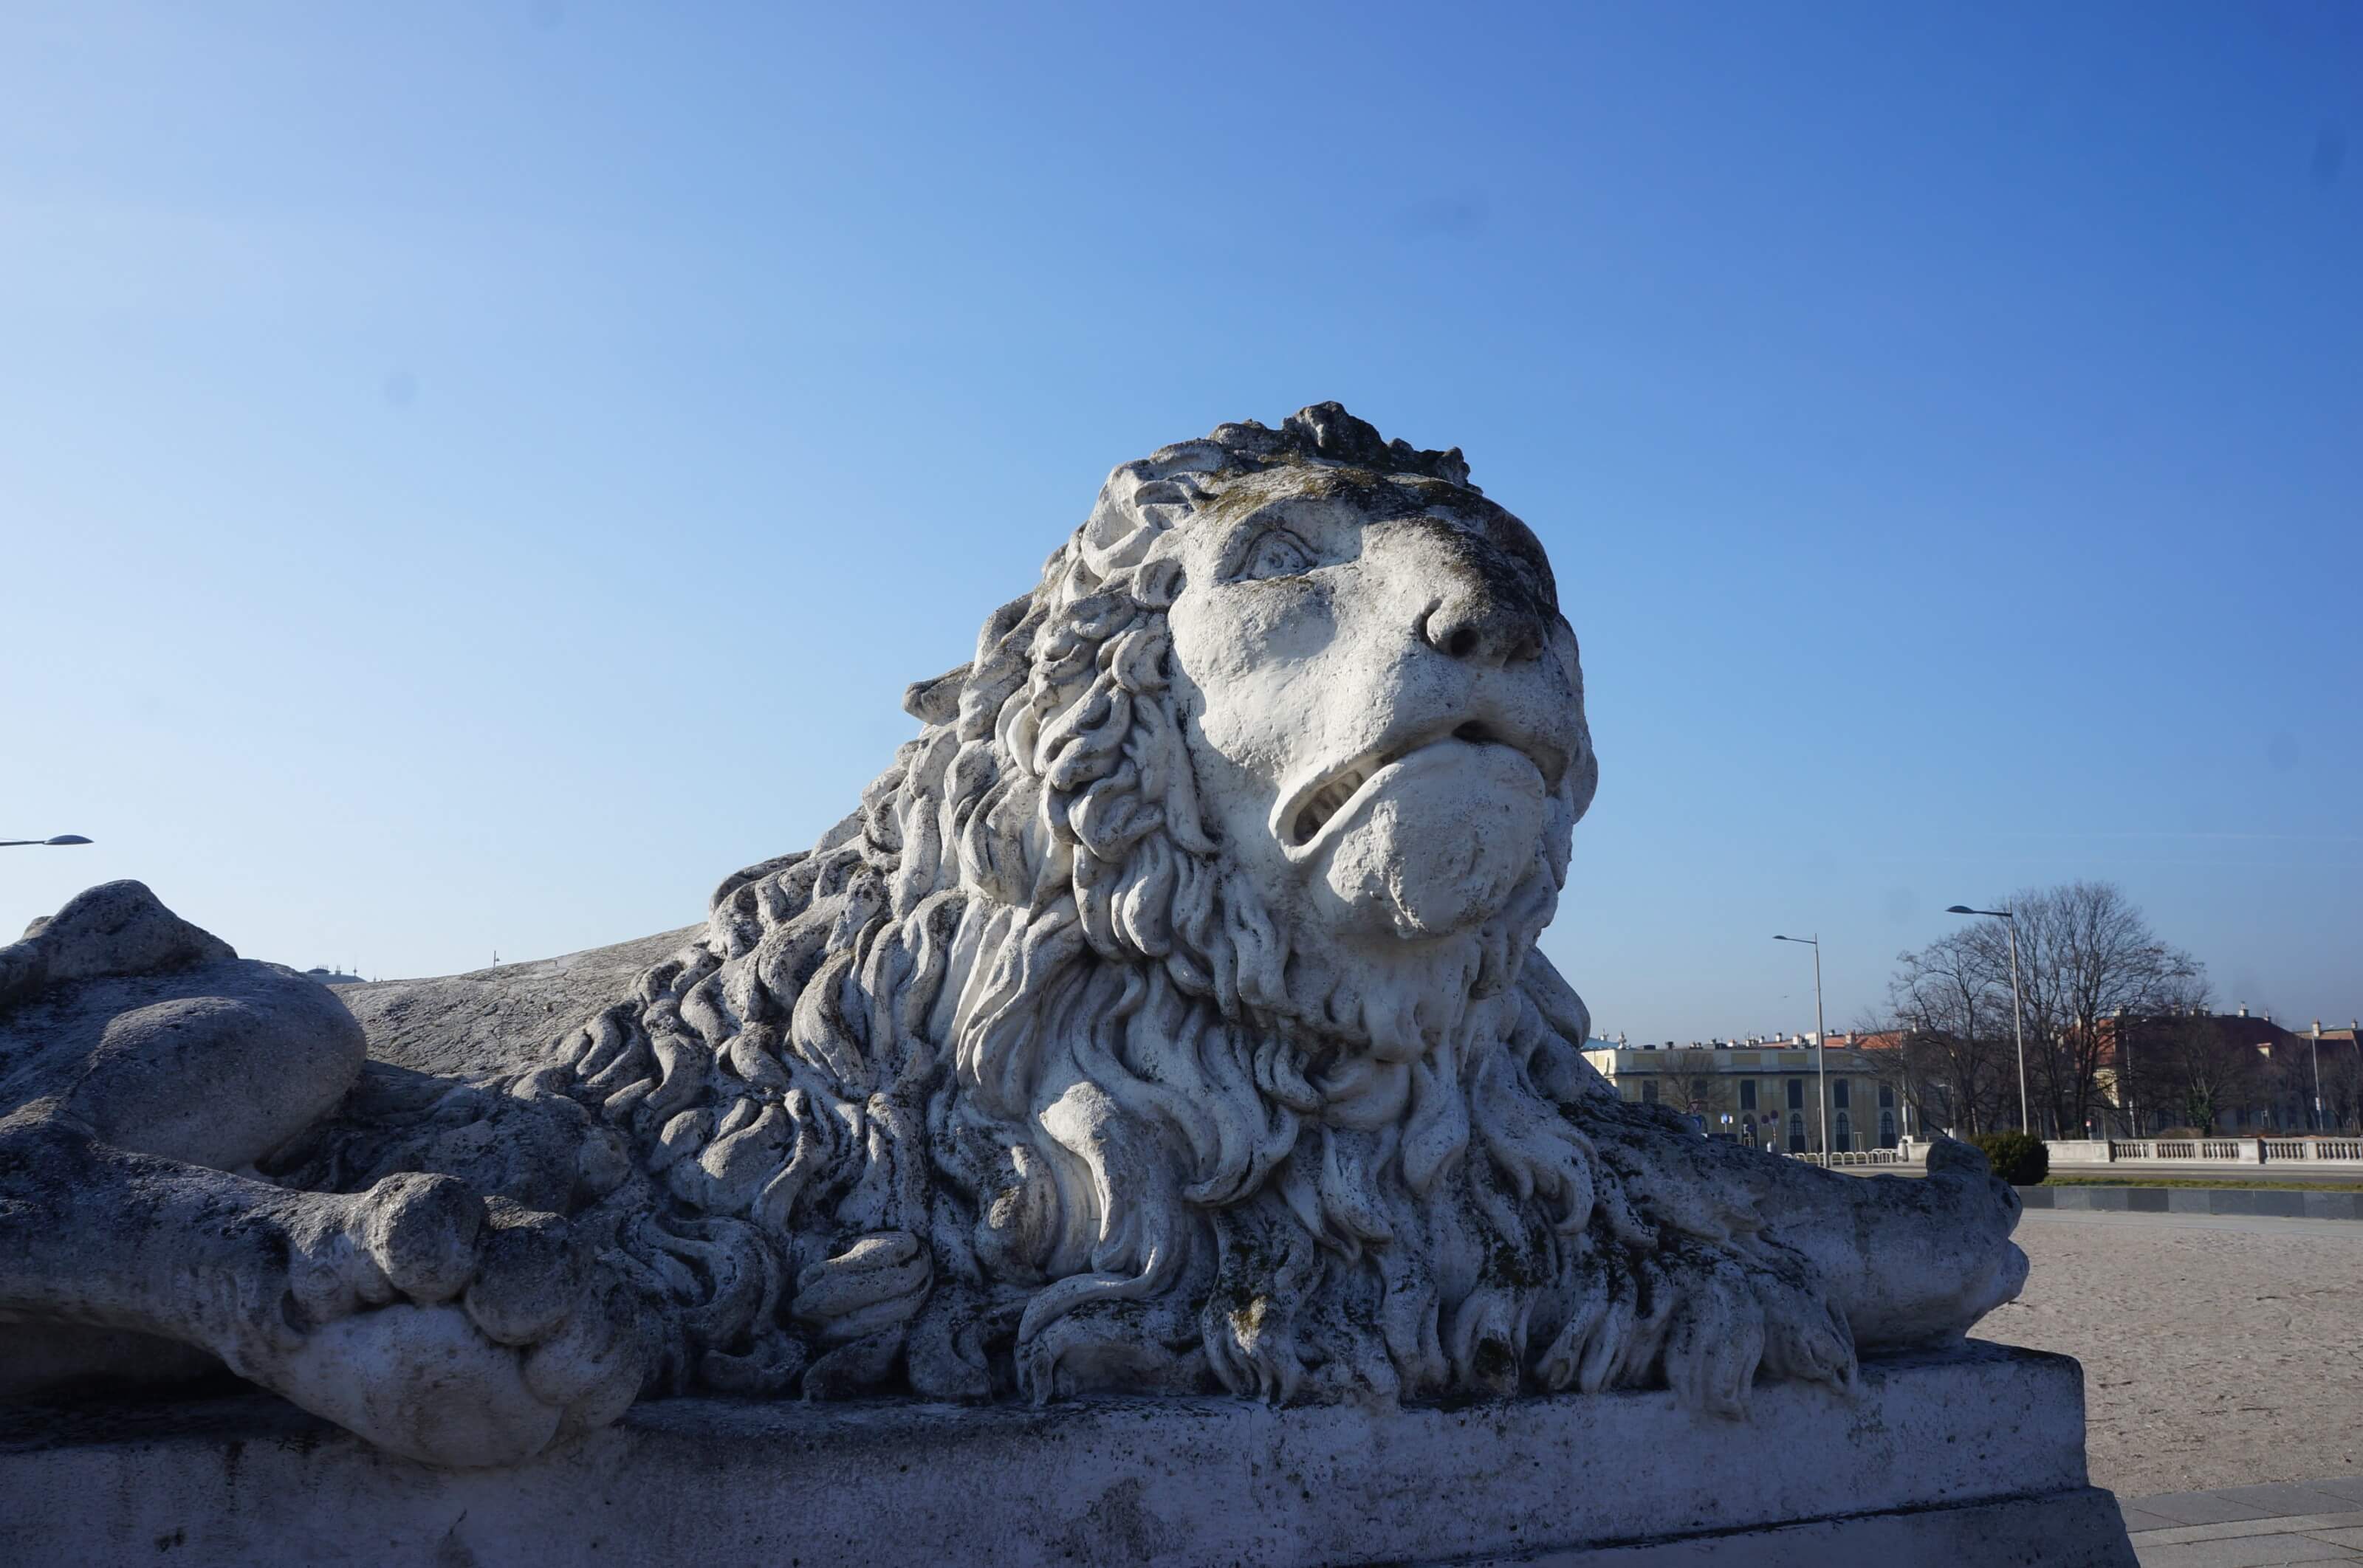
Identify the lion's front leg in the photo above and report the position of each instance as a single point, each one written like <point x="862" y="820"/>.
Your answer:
<point x="414" y="1313"/>
<point x="1910" y="1261"/>
<point x="1906" y="1261"/>
<point x="1716" y="1262"/>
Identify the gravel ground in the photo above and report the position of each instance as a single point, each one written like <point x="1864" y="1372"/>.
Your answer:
<point x="2217" y="1351"/>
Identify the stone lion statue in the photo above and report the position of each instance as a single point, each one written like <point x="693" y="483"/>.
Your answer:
<point x="1167" y="1020"/>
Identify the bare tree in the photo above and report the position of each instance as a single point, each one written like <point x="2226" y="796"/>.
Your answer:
<point x="1892" y="1065"/>
<point x="2285" y="1085"/>
<point x="2204" y="1075"/>
<point x="2151" y="1053"/>
<point x="1955" y="1023"/>
<point x="2085" y="956"/>
<point x="1690" y="1082"/>
<point x="2342" y="1082"/>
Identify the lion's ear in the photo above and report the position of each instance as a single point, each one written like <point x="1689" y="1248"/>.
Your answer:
<point x="936" y="701"/>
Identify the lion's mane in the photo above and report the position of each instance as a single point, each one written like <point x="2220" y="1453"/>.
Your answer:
<point x="1004" y="1083"/>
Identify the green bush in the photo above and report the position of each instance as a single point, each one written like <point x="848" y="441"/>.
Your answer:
<point x="2019" y="1159"/>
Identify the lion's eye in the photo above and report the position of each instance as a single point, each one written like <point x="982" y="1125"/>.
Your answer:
<point x="1278" y="554"/>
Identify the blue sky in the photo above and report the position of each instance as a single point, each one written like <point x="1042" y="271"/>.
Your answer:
<point x="472" y="475"/>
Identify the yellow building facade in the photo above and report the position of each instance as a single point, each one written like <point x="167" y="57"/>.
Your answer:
<point x="1763" y="1094"/>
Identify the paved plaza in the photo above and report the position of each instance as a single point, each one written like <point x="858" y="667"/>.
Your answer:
<point x="2218" y="1351"/>
<point x="2224" y="1376"/>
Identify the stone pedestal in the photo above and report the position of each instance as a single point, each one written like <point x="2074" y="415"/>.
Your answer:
<point x="1970" y="1460"/>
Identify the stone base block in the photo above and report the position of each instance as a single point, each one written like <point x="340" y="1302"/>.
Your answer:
<point x="1972" y="1459"/>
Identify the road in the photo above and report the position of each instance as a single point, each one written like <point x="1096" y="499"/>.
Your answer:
<point x="2222" y="1174"/>
<point x="2133" y="1175"/>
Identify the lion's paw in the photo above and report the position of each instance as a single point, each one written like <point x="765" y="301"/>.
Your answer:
<point x="448" y="1329"/>
<point x="1929" y="1257"/>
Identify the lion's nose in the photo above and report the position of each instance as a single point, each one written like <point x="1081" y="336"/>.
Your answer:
<point x="1472" y="622"/>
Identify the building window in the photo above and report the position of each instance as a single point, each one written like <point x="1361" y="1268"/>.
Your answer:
<point x="1796" y="1130"/>
<point x="1839" y="1096"/>
<point x="1796" y="1094"/>
<point x="1887" y="1128"/>
<point x="1844" y="1138"/>
<point x="1887" y="1096"/>
<point x="1747" y="1094"/>
<point x="1649" y="1091"/>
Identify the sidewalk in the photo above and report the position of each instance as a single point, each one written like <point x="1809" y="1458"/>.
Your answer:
<point x="2250" y="1526"/>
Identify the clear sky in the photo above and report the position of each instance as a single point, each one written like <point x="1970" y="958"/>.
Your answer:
<point x="472" y="475"/>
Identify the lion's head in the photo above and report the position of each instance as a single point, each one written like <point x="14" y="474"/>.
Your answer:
<point x="1167" y="1016"/>
<point x="1295" y="717"/>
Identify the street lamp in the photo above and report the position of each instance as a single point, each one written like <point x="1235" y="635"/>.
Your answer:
<point x="61" y="838"/>
<point x="2121" y="1037"/>
<point x="2017" y="1010"/>
<point x="2314" y="1050"/>
<point x="1821" y="1037"/>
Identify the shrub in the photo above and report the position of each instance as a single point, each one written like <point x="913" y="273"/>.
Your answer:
<point x="2019" y="1159"/>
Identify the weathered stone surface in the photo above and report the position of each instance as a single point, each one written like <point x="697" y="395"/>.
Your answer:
<point x="1167" y="1020"/>
<point x="144" y="1065"/>
<point x="1974" y="1460"/>
<point x="474" y="1026"/>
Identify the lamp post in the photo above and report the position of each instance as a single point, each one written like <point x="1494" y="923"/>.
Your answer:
<point x="62" y="838"/>
<point x="1821" y="1037"/>
<point x="2017" y="1010"/>
<point x="2313" y="1049"/>
<point x="2121" y="1037"/>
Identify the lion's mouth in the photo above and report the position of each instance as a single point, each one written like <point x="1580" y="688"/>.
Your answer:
<point x="1328" y="799"/>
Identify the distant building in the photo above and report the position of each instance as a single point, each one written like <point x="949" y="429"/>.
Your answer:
<point x="334" y="978"/>
<point x="1762" y="1092"/>
<point x="2255" y="1077"/>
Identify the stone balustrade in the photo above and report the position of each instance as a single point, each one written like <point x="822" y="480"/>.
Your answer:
<point x="2332" y="1151"/>
<point x="1846" y="1157"/>
<point x="2205" y="1151"/>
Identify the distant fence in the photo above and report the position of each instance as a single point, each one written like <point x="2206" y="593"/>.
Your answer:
<point x="2205" y="1151"/>
<point x="2176" y="1148"/>
<point x="2331" y="1149"/>
<point x="2070" y="1152"/>
<point x="1845" y="1157"/>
